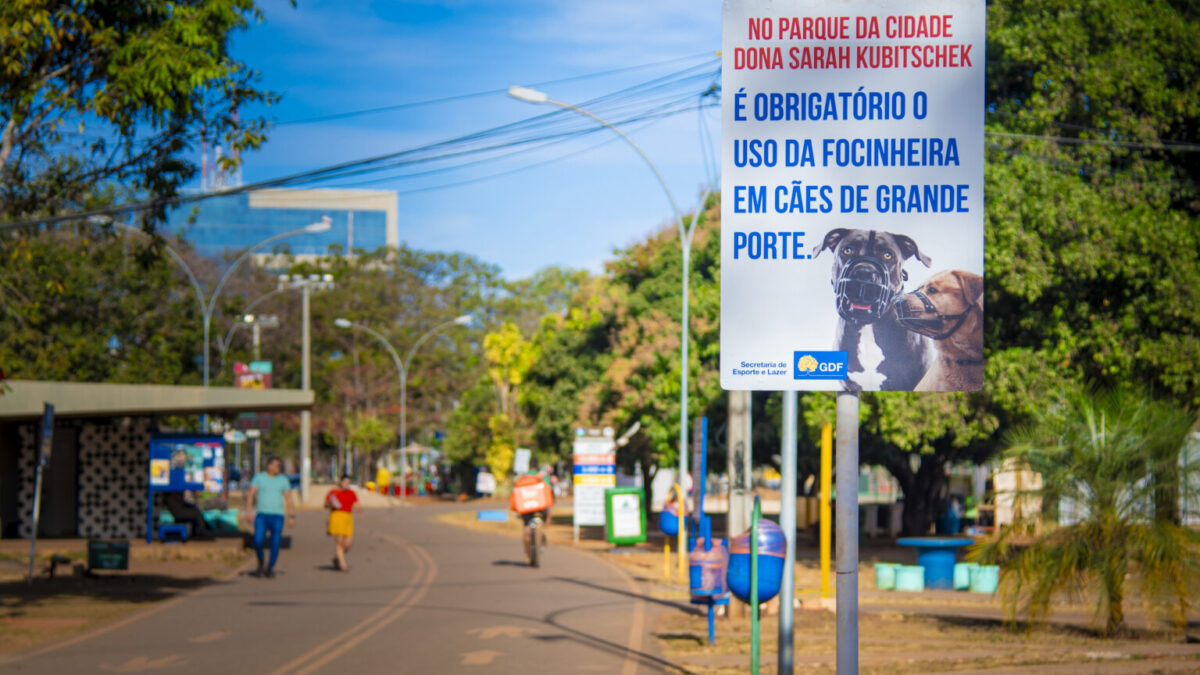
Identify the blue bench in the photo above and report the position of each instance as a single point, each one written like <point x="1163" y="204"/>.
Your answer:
<point x="165" y="529"/>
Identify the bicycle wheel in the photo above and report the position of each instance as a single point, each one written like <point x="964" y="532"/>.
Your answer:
<point x="533" y="546"/>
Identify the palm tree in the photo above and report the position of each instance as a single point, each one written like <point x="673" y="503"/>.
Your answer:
<point x="1114" y="464"/>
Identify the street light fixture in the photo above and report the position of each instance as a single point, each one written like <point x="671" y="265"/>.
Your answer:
<point x="322" y="225"/>
<point x="402" y="368"/>
<point x="685" y="240"/>
<point x="208" y="308"/>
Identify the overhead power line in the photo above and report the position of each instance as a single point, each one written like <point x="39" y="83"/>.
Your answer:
<point x="623" y="106"/>
<point x="486" y="92"/>
<point x="1172" y="146"/>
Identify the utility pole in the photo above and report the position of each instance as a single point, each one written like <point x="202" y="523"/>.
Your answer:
<point x="306" y="384"/>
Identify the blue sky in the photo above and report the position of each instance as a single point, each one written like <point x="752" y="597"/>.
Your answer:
<point x="332" y="57"/>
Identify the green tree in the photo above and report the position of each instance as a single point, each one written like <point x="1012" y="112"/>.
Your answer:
<point x="509" y="356"/>
<point x="468" y="435"/>
<point x="641" y="305"/>
<point x="84" y="305"/>
<point x="1106" y="458"/>
<point x="916" y="437"/>
<point x="370" y="435"/>
<point x="103" y="101"/>
<point x="1093" y="245"/>
<point x="1093" y="240"/>
<point x="570" y="357"/>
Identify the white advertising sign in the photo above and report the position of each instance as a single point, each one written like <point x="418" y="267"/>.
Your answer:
<point x="627" y="516"/>
<point x="521" y="460"/>
<point x="852" y="195"/>
<point x="595" y="470"/>
<point x="485" y="483"/>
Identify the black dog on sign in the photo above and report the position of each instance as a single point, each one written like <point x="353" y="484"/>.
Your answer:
<point x="868" y="278"/>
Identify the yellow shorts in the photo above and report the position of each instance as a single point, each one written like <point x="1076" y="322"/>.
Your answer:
<point x="341" y="523"/>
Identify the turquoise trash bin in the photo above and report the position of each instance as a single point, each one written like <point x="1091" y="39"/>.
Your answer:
<point x="985" y="579"/>
<point x="910" y="578"/>
<point x="962" y="575"/>
<point x="885" y="576"/>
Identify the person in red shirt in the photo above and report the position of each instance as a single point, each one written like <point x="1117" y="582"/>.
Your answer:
<point x="342" y="503"/>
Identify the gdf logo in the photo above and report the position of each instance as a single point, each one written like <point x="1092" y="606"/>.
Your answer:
<point x="819" y="365"/>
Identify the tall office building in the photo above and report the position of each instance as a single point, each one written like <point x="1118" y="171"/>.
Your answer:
<point x="362" y="219"/>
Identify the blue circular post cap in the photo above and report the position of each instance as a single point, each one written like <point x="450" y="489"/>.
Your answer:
<point x="923" y="542"/>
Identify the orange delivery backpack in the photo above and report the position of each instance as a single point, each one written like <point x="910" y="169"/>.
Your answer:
<point x="530" y="493"/>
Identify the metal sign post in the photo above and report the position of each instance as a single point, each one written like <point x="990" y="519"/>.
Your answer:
<point x="825" y="516"/>
<point x="847" y="532"/>
<point x="43" y="459"/>
<point x="787" y="523"/>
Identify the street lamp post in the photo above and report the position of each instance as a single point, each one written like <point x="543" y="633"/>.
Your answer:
<point x="685" y="240"/>
<point x="321" y="226"/>
<point x="402" y="368"/>
<point x="208" y="308"/>
<point x="247" y="311"/>
<point x="306" y="285"/>
<point x="256" y="322"/>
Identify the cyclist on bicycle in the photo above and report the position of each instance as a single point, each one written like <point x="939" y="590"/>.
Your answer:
<point x="523" y="498"/>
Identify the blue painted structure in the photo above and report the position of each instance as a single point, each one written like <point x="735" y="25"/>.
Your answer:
<point x="937" y="555"/>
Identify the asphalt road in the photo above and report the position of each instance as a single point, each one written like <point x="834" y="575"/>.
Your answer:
<point x="422" y="597"/>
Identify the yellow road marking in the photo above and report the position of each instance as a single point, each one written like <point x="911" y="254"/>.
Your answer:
<point x="143" y="663"/>
<point x="500" y="631"/>
<point x="343" y="642"/>
<point x="210" y="637"/>
<point x="480" y="658"/>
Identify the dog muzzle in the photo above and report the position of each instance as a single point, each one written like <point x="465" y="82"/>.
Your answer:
<point x="927" y="320"/>
<point x="863" y="290"/>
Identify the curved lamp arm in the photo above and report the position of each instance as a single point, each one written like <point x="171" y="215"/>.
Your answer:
<point x="177" y="258"/>
<point x="321" y="226"/>
<point x="461" y="321"/>
<point x="224" y="346"/>
<point x="343" y="323"/>
<point x="534" y="96"/>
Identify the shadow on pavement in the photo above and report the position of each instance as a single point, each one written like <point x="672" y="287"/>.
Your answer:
<point x="1066" y="627"/>
<point x="681" y="606"/>
<point x="567" y="633"/>
<point x="124" y="588"/>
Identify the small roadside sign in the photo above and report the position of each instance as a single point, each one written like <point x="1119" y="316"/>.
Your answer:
<point x="47" y="440"/>
<point x="625" y="512"/>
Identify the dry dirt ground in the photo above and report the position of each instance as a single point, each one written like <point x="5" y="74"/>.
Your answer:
<point x="933" y="631"/>
<point x="54" y="609"/>
<point x="72" y="602"/>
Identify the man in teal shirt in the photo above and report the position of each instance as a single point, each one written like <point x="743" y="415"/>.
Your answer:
<point x="271" y="495"/>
